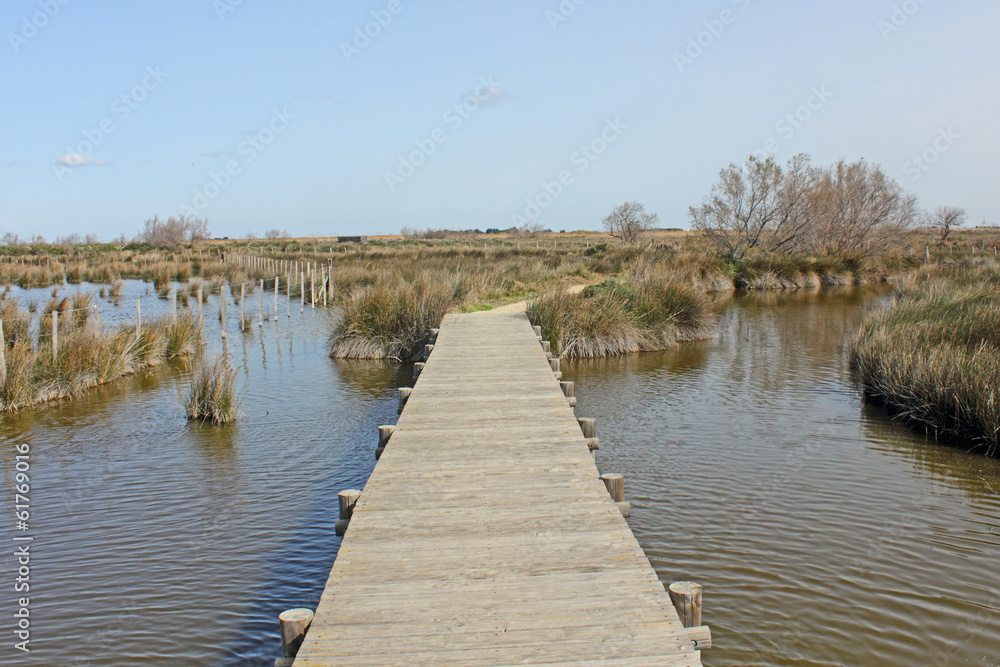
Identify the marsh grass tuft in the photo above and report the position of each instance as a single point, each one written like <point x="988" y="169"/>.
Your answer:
<point x="392" y="319"/>
<point x="645" y="312"/>
<point x="212" y="394"/>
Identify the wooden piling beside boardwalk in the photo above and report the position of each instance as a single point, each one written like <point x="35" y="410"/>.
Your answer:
<point x="485" y="535"/>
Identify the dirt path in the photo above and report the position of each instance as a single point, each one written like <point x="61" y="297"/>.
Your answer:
<point x="521" y="306"/>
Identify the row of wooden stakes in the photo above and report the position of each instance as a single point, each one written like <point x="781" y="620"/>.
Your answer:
<point x="686" y="596"/>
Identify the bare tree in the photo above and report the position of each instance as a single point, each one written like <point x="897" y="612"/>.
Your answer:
<point x="629" y="221"/>
<point x="742" y="207"/>
<point x="276" y="234"/>
<point x="10" y="238"/>
<point x="163" y="233"/>
<point x="197" y="228"/>
<point x="859" y="210"/>
<point x="946" y="218"/>
<point x="533" y="229"/>
<point x="173" y="231"/>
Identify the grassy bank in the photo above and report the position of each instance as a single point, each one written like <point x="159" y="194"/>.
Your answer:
<point x="934" y="356"/>
<point x="646" y="311"/>
<point x="87" y="355"/>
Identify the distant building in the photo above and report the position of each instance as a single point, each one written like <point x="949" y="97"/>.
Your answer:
<point x="352" y="239"/>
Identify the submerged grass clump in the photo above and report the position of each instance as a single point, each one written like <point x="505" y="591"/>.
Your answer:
<point x="934" y="356"/>
<point x="645" y="312"/>
<point x="212" y="395"/>
<point x="392" y="319"/>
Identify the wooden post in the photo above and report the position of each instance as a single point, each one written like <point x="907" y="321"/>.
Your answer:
<point x="294" y="626"/>
<point x="615" y="485"/>
<point x="277" y="287"/>
<point x="323" y="286"/>
<point x="201" y="318"/>
<point x="260" y="313"/>
<point x="384" y="433"/>
<point x="348" y="499"/>
<point x="546" y="347"/>
<point x="302" y="292"/>
<point x="3" y="360"/>
<point x="404" y="396"/>
<point x="222" y="310"/>
<point x="686" y="596"/>
<point x="312" y="287"/>
<point x="427" y="351"/>
<point x="588" y="426"/>
<point x="97" y="317"/>
<point x="173" y="300"/>
<point x="242" y="294"/>
<point x="568" y="392"/>
<point x="554" y="364"/>
<point x="434" y="335"/>
<point x="55" y="335"/>
<point x="418" y="368"/>
<point x="538" y="331"/>
<point x="288" y="295"/>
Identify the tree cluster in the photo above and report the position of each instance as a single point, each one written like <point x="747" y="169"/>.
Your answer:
<point x="629" y="221"/>
<point x="850" y="209"/>
<point x="173" y="231"/>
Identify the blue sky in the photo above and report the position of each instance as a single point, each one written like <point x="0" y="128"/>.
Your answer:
<point x="255" y="115"/>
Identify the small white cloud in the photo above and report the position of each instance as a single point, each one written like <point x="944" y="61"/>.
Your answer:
<point x="80" y="160"/>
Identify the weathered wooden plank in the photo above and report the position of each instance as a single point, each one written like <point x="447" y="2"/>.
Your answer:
<point x="485" y="535"/>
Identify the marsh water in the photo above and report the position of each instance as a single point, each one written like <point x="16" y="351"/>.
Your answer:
<point x="824" y="533"/>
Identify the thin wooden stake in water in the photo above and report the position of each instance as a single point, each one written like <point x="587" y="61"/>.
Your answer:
<point x="55" y="335"/>
<point x="173" y="298"/>
<point x="260" y="313"/>
<point x="222" y="310"/>
<point x="201" y="321"/>
<point x="323" y="276"/>
<point x="242" y="294"/>
<point x="3" y="359"/>
<point x="277" y="288"/>
<point x="302" y="291"/>
<point x="288" y="297"/>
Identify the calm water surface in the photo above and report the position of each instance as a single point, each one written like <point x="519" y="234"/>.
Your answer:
<point x="824" y="533"/>
<point x="162" y="543"/>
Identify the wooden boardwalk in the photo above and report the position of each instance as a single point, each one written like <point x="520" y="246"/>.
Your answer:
<point x="485" y="536"/>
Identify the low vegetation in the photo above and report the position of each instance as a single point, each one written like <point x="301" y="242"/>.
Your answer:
<point x="649" y="310"/>
<point x="86" y="356"/>
<point x="933" y="357"/>
<point x="212" y="395"/>
<point x="391" y="319"/>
